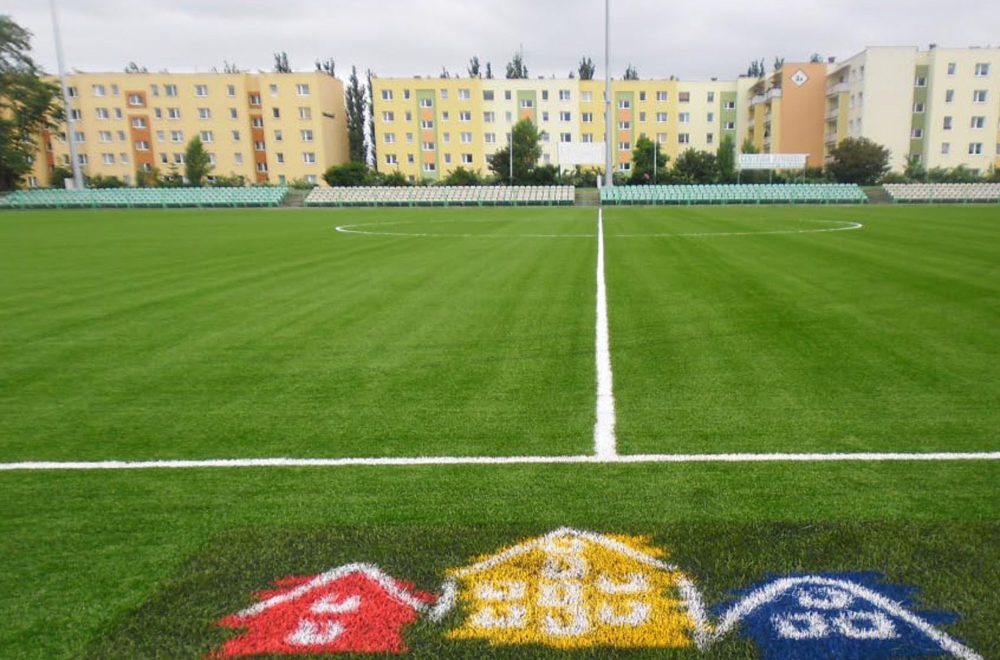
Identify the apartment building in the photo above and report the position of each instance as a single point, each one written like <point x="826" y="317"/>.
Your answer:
<point x="264" y="127"/>
<point x="426" y="127"/>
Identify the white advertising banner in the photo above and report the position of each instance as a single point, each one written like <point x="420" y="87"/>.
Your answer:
<point x="772" y="161"/>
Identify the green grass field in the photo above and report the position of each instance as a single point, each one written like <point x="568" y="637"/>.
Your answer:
<point x="139" y="335"/>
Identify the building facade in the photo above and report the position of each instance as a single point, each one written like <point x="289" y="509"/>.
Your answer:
<point x="263" y="127"/>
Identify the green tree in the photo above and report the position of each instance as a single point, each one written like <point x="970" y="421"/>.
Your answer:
<point x="197" y="164"/>
<point x="748" y="147"/>
<point x="394" y="179"/>
<point x="474" y="67"/>
<point x="348" y="175"/>
<point x="489" y="71"/>
<point x="516" y="68"/>
<point x="463" y="177"/>
<point x="27" y="104"/>
<point x="281" y="63"/>
<point x="527" y="150"/>
<point x="101" y="181"/>
<point x="858" y="160"/>
<point x="630" y="73"/>
<point x="645" y="155"/>
<point x="327" y="66"/>
<point x="915" y="170"/>
<point x="725" y="160"/>
<point x="132" y="67"/>
<point x="356" y="108"/>
<point x="586" y="69"/>
<point x="694" y="166"/>
<point x="58" y="176"/>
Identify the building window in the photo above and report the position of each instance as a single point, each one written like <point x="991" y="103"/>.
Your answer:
<point x="108" y="159"/>
<point x="661" y="117"/>
<point x="176" y="136"/>
<point x="104" y="136"/>
<point x="661" y="96"/>
<point x="234" y="113"/>
<point x="201" y="90"/>
<point x="979" y="96"/>
<point x="211" y="159"/>
<point x="123" y="157"/>
<point x="587" y="117"/>
<point x="98" y="90"/>
<point x="259" y="145"/>
<point x="207" y="136"/>
<point x="388" y="116"/>
<point x="257" y="122"/>
<point x="427" y="146"/>
<point x="161" y="136"/>
<point x="710" y="118"/>
<point x="624" y="104"/>
<point x="238" y="159"/>
<point x="76" y="115"/>
<point x="624" y="146"/>
<point x="587" y="138"/>
<point x="527" y="103"/>
<point x="920" y="81"/>
<point x="684" y="117"/>
<point x="230" y="90"/>
<point x="467" y="159"/>
<point x="565" y="137"/>
<point x="982" y="69"/>
<point x="306" y="134"/>
<point x="684" y="97"/>
<point x="389" y="138"/>
<point x="545" y="115"/>
<point x="426" y="103"/>
<point x="729" y="126"/>
<point x="79" y="137"/>
<point x="429" y="167"/>
<point x="978" y="122"/>
<point x="273" y="88"/>
<point x="683" y="138"/>
<point x="72" y="92"/>
<point x="487" y="94"/>
<point x="975" y="148"/>
<point x="204" y="113"/>
<point x="465" y="115"/>
<point x="464" y="94"/>
<point x="426" y="124"/>
<point x="302" y="89"/>
<point x="710" y="138"/>
<point x="661" y="138"/>
<point x="624" y="167"/>
<point x="917" y="133"/>
<point x="409" y="138"/>
<point x="729" y="105"/>
<point x="586" y="97"/>
<point x="642" y="96"/>
<point x="262" y="168"/>
<point x="135" y="100"/>
<point x="410" y="159"/>
<point x="951" y="68"/>
<point x="102" y="113"/>
<point x="173" y="113"/>
<point x="918" y="107"/>
<point x="236" y="136"/>
<point x="564" y="95"/>
<point x="255" y="99"/>
<point x="121" y="136"/>
<point x="276" y="113"/>
<point x="945" y="148"/>
<point x="947" y="123"/>
<point x="390" y="159"/>
<point x="309" y="157"/>
<point x="624" y="126"/>
<point x="82" y="159"/>
<point x="170" y="90"/>
<point x="278" y="136"/>
<point x="466" y="138"/>
<point x="565" y="116"/>
<point x="711" y="97"/>
<point x="489" y="117"/>
<point x="305" y="113"/>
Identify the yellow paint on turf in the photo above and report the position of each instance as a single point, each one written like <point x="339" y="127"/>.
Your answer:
<point x="571" y="592"/>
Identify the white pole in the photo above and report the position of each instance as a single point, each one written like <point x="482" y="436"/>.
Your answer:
<point x="70" y="122"/>
<point x="608" y="171"/>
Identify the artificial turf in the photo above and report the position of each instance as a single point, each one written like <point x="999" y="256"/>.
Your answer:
<point x="191" y="334"/>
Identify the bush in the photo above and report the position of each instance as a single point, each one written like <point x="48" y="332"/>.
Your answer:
<point x="348" y="175"/>
<point x="300" y="184"/>
<point x="462" y="177"/>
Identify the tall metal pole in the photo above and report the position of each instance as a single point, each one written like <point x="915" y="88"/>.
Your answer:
<point x="608" y="170"/>
<point x="70" y="121"/>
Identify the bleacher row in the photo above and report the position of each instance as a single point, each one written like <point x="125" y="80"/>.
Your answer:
<point x="790" y="193"/>
<point x="943" y="192"/>
<point x="144" y="197"/>
<point x="443" y="196"/>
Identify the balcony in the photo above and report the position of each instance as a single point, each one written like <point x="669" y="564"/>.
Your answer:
<point x="839" y="88"/>
<point x="757" y="100"/>
<point x="833" y="114"/>
<point x="774" y="93"/>
<point x="831" y="138"/>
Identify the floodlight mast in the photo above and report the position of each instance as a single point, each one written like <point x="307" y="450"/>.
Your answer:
<point x="70" y="121"/>
<point x="609" y="178"/>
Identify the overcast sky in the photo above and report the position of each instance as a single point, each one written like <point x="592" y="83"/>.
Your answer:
<point x="692" y="40"/>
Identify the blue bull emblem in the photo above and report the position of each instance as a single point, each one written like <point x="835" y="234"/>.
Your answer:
<point x="852" y="616"/>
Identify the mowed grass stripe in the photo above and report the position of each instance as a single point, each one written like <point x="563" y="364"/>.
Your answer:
<point x="884" y="339"/>
<point x="161" y="334"/>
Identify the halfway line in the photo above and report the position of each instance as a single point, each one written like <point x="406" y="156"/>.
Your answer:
<point x="605" y="447"/>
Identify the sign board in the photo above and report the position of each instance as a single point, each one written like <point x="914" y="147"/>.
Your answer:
<point x="580" y="153"/>
<point x="771" y="161"/>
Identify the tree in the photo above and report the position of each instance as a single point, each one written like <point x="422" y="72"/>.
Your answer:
<point x="327" y="66"/>
<point x="27" y="104"/>
<point x="586" y="69"/>
<point x="756" y="69"/>
<point x="915" y="171"/>
<point x="132" y="67"/>
<point x="725" y="160"/>
<point x="372" y="142"/>
<point x="489" y="71"/>
<point x="816" y="58"/>
<point x="463" y="177"/>
<point x="516" y="68"/>
<point x="527" y="150"/>
<point x="647" y="157"/>
<point x="474" y="67"/>
<point x="58" y="176"/>
<point x="779" y="62"/>
<point x="630" y="73"/>
<point x="349" y="174"/>
<point x="395" y="179"/>
<point x="281" y="63"/>
<point x="229" y="67"/>
<point x="356" y="107"/>
<point x="749" y="147"/>
<point x="694" y="166"/>
<point x="197" y="164"/>
<point x="858" y="160"/>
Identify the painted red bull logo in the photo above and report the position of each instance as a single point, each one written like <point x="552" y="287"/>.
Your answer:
<point x="572" y="589"/>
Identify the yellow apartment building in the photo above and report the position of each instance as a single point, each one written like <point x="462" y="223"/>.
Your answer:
<point x="426" y="127"/>
<point x="264" y="127"/>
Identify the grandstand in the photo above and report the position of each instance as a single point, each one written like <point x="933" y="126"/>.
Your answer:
<point x="443" y="196"/>
<point x="145" y="197"/>
<point x="735" y="194"/>
<point x="944" y="193"/>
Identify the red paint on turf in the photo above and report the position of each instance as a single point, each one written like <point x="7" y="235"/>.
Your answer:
<point x="352" y="614"/>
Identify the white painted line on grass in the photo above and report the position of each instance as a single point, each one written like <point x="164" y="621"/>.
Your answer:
<point x="604" y="427"/>
<point x="498" y="460"/>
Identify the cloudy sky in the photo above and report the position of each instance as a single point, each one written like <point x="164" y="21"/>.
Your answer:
<point x="692" y="40"/>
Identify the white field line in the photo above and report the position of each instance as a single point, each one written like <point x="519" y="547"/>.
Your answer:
<point x="497" y="460"/>
<point x="604" y="427"/>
